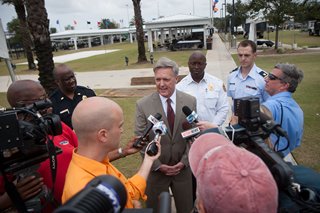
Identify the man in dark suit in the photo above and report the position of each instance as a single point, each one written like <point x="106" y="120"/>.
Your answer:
<point x="172" y="168"/>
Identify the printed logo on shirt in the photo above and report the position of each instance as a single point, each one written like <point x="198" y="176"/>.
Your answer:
<point x="64" y="143"/>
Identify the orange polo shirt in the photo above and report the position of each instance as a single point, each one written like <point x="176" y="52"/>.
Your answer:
<point x="82" y="170"/>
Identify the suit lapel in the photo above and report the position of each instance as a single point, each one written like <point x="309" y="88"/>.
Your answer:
<point x="178" y="114"/>
<point x="157" y="106"/>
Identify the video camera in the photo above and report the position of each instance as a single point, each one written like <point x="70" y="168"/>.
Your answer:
<point x="106" y="193"/>
<point x="252" y="128"/>
<point x="26" y="136"/>
<point x="25" y="143"/>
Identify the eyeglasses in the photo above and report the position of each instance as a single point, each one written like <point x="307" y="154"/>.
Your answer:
<point x="272" y="77"/>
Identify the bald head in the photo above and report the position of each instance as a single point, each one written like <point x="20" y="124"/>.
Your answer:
<point x="25" y="92"/>
<point x="95" y="113"/>
<point x="198" y="55"/>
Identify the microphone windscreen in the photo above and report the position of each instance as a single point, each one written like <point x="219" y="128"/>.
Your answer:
<point x="158" y="116"/>
<point x="186" y="110"/>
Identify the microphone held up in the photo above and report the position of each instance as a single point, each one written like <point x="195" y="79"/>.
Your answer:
<point x="152" y="121"/>
<point x="192" y="116"/>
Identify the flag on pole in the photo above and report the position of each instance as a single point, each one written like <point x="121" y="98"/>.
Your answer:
<point x="57" y="22"/>
<point x="75" y="22"/>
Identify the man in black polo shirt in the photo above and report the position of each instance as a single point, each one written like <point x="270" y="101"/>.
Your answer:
<point x="66" y="97"/>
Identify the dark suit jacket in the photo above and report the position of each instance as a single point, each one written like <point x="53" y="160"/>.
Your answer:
<point x="174" y="148"/>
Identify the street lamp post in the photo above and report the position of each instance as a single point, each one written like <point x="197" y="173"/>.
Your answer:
<point x="128" y="14"/>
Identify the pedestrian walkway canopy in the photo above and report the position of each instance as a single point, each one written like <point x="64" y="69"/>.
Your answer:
<point x="78" y="35"/>
<point x="178" y="27"/>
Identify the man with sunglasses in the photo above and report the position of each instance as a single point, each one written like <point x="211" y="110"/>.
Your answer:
<point x="280" y="84"/>
<point x="247" y="79"/>
<point x="68" y="94"/>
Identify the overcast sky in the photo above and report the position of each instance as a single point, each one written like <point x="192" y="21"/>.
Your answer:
<point x="81" y="11"/>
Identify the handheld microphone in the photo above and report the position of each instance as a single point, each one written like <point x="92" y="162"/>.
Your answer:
<point x="158" y="129"/>
<point x="190" y="133"/>
<point x="153" y="120"/>
<point x="269" y="125"/>
<point x="192" y="116"/>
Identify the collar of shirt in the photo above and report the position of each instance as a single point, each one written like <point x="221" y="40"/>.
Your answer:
<point x="91" y="166"/>
<point x="173" y="98"/>
<point x="252" y="74"/>
<point x="285" y="94"/>
<point x="191" y="81"/>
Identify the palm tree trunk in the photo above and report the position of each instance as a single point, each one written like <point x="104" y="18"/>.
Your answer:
<point x="26" y="38"/>
<point x="39" y="27"/>
<point x="139" y="31"/>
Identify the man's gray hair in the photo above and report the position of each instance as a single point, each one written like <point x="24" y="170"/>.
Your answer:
<point x="291" y="75"/>
<point x="164" y="62"/>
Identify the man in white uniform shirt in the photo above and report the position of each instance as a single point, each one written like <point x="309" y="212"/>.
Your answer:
<point x="212" y="102"/>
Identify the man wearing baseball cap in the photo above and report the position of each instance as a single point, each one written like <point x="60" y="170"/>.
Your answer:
<point x="229" y="178"/>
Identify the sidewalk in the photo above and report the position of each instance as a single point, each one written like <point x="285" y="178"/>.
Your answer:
<point x="219" y="64"/>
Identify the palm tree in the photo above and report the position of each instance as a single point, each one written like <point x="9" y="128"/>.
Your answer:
<point x="24" y="31"/>
<point x="139" y="31"/>
<point x="39" y="27"/>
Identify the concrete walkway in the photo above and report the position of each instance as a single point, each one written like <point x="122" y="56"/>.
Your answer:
<point x="219" y="64"/>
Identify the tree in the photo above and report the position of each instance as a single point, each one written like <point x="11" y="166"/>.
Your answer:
<point x="108" y="24"/>
<point x="139" y="31"/>
<point x="275" y="11"/>
<point x="240" y="14"/>
<point x="53" y="30"/>
<point x="308" y="10"/>
<point x="23" y="30"/>
<point x="132" y="22"/>
<point x="39" y="27"/>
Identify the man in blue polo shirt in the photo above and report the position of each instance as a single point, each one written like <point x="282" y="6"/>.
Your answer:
<point x="280" y="84"/>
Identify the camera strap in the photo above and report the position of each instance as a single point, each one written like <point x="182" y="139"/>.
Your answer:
<point x="12" y="192"/>
<point x="53" y="160"/>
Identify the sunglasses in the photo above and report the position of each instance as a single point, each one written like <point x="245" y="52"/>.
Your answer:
<point x="272" y="77"/>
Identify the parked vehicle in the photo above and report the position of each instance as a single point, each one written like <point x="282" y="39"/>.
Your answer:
<point x="314" y="27"/>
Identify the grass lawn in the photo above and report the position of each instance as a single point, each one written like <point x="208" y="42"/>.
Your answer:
<point x="291" y="36"/>
<point x="109" y="61"/>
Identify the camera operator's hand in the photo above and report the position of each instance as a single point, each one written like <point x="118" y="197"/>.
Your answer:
<point x="234" y="120"/>
<point x="27" y="187"/>
<point x="203" y="125"/>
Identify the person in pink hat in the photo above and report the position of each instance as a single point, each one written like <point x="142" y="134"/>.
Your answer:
<point x="229" y="178"/>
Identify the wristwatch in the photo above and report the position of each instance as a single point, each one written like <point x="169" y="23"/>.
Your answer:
<point x="120" y="152"/>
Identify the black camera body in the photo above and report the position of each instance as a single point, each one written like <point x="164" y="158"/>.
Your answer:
<point x="27" y="136"/>
<point x="24" y="144"/>
<point x="250" y="134"/>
